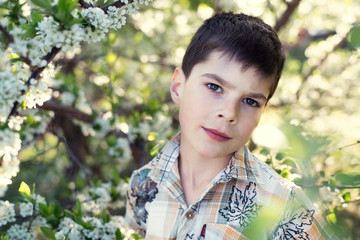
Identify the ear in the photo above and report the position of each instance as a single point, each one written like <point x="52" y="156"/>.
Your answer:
<point x="177" y="84"/>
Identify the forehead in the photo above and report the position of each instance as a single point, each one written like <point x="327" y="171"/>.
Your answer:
<point x="233" y="72"/>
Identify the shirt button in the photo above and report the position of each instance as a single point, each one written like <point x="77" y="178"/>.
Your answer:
<point x="189" y="215"/>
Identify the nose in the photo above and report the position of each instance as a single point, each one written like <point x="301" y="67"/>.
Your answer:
<point x="228" y="113"/>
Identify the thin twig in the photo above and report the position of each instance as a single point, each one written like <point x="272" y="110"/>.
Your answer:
<point x="284" y="19"/>
<point x="117" y="4"/>
<point x="73" y="157"/>
<point x="313" y="68"/>
<point x="357" y="142"/>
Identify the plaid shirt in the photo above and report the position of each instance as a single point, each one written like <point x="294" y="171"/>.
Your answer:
<point x="238" y="196"/>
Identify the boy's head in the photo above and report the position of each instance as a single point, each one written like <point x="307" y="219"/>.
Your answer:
<point x="247" y="40"/>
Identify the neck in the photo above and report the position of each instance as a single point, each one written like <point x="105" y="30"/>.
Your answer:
<point x="196" y="172"/>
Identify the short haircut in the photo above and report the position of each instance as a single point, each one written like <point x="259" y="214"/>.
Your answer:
<point x="248" y="39"/>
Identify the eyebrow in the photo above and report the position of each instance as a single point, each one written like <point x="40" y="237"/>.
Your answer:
<point x="224" y="83"/>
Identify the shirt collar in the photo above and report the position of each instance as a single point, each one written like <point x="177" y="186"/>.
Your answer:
<point x="243" y="165"/>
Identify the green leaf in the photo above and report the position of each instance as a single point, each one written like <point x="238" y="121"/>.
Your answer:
<point x="298" y="181"/>
<point x="348" y="178"/>
<point x="65" y="7"/>
<point x="14" y="60"/>
<point x="331" y="218"/>
<point x="136" y="236"/>
<point x="57" y="211"/>
<point x="36" y="17"/>
<point x="285" y="173"/>
<point x="279" y="156"/>
<point x="48" y="232"/>
<point x="30" y="30"/>
<point x="289" y="162"/>
<point x="347" y="197"/>
<point x="45" y="4"/>
<point x="81" y="222"/>
<point x="264" y="152"/>
<point x="116" y="177"/>
<point x="354" y="37"/>
<point x="105" y="217"/>
<point x="44" y="209"/>
<point x="24" y="188"/>
<point x="119" y="235"/>
<point x="332" y="184"/>
<point x="78" y="211"/>
<point x="111" y="140"/>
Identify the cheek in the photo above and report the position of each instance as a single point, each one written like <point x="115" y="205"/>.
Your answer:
<point x="250" y="119"/>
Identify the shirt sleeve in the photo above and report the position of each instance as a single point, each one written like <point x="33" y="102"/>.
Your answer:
<point x="302" y="220"/>
<point x="130" y="217"/>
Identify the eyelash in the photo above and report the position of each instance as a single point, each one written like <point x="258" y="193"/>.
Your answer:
<point x="211" y="87"/>
<point x="252" y="103"/>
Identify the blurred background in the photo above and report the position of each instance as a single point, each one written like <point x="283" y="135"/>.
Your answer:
<point x="111" y="107"/>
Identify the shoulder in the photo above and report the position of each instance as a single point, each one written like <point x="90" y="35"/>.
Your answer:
<point x="272" y="182"/>
<point x="299" y="218"/>
<point x="141" y="175"/>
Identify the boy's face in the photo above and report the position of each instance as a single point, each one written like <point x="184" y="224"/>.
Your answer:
<point x="220" y="105"/>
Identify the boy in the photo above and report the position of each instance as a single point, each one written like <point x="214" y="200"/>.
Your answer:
<point x="205" y="184"/>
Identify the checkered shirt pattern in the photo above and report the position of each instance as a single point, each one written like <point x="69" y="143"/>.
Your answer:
<point x="247" y="200"/>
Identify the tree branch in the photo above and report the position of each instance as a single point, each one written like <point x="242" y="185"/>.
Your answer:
<point x="283" y="20"/>
<point x="34" y="75"/>
<point x="321" y="62"/>
<point x="9" y="39"/>
<point x="66" y="111"/>
<point x="84" y="4"/>
<point x="117" y="4"/>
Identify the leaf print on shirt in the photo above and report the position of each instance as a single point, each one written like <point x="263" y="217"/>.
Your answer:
<point x="241" y="207"/>
<point x="296" y="226"/>
<point x="188" y="236"/>
<point x="144" y="192"/>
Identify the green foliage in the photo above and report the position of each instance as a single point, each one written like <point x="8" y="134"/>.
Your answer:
<point x="318" y="94"/>
<point x="354" y="37"/>
<point x="45" y="4"/>
<point x="48" y="233"/>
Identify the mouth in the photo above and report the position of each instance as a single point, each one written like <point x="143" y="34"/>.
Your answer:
<point x="216" y="135"/>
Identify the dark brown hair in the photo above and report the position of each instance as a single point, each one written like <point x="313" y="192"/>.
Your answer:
<point x="248" y="39"/>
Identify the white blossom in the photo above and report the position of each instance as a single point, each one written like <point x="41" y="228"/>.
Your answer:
<point x="68" y="229"/>
<point x="10" y="144"/>
<point x="8" y="169"/>
<point x="121" y="149"/>
<point x="19" y="45"/>
<point x="37" y="94"/>
<point x="26" y="209"/>
<point x="15" y="122"/>
<point x="21" y="232"/>
<point x="97" y="18"/>
<point x="7" y="212"/>
<point x="67" y="98"/>
<point x="38" y="199"/>
<point x="102" y="194"/>
<point x="10" y="88"/>
<point x="103" y="126"/>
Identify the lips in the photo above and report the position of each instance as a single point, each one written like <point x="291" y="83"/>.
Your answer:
<point x="216" y="135"/>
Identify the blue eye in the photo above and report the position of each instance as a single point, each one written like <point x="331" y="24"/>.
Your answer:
<point x="251" y="102"/>
<point x="214" y="87"/>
